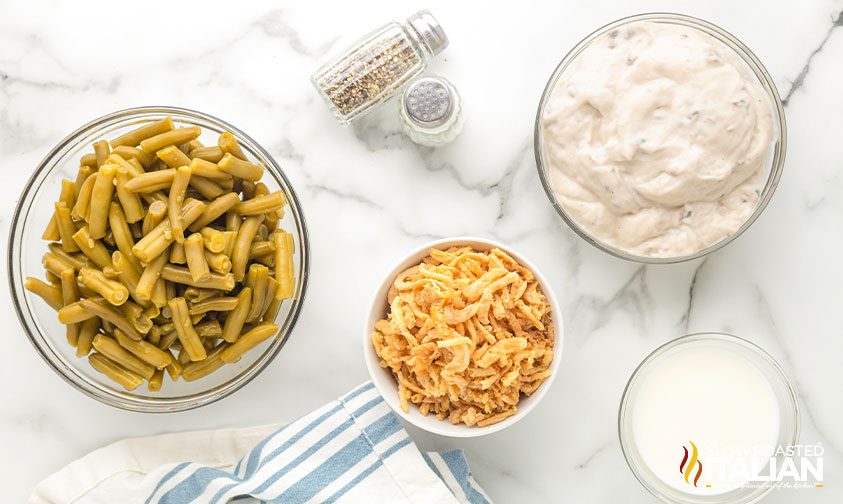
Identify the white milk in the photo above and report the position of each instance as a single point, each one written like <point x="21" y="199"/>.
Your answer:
<point x="717" y="399"/>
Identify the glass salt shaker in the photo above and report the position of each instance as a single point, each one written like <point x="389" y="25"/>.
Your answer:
<point x="374" y="68"/>
<point x="431" y="111"/>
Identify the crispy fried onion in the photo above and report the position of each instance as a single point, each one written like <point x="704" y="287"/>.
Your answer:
<point x="467" y="333"/>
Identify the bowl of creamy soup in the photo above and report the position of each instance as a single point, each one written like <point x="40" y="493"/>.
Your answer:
<point x="660" y="138"/>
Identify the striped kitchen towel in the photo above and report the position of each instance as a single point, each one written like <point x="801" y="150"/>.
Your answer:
<point x="350" y="450"/>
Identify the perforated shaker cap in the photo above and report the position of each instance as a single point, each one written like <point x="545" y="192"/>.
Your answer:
<point x="428" y="101"/>
<point x="429" y="31"/>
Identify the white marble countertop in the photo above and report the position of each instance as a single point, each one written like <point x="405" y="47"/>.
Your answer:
<point x="369" y="195"/>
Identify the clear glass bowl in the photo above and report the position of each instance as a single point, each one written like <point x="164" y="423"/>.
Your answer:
<point x="777" y="149"/>
<point x="39" y="321"/>
<point x="764" y="362"/>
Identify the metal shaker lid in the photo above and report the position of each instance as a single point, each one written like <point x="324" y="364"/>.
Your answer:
<point x="428" y="101"/>
<point x="429" y="31"/>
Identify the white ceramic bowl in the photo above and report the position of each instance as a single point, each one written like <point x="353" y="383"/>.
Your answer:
<point x="385" y="382"/>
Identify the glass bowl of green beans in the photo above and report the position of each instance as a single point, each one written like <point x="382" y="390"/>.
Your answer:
<point x="38" y="295"/>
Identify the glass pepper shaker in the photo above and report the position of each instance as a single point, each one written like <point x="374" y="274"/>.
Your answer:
<point x="431" y="111"/>
<point x="374" y="68"/>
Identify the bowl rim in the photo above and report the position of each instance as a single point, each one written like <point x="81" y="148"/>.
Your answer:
<point x="759" y="70"/>
<point x="624" y="409"/>
<point x="116" y="398"/>
<point x="389" y="392"/>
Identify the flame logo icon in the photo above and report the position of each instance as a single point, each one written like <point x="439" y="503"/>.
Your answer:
<point x="687" y="465"/>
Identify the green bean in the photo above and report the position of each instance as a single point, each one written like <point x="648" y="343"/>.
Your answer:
<point x="181" y="275"/>
<point x="176" y="136"/>
<point x="132" y="166"/>
<point x="101" y="200"/>
<point x="154" y="215"/>
<point x="149" y="277"/>
<point x="90" y="328"/>
<point x="214" y="239"/>
<point x="83" y="201"/>
<point x="157" y="241"/>
<point x="111" y="349"/>
<point x="136" y="316"/>
<point x="219" y="304"/>
<point x="173" y="157"/>
<point x="101" y="151"/>
<point x="66" y="227"/>
<point x="92" y="248"/>
<point x="88" y="160"/>
<point x="130" y="201"/>
<point x="176" y="200"/>
<point x="207" y="188"/>
<point x="174" y="369"/>
<point x="151" y="181"/>
<point x="144" y="351"/>
<point x="212" y="154"/>
<point x="114" y="292"/>
<point x="128" y="152"/>
<point x="197" y="295"/>
<point x="196" y="370"/>
<point x="207" y="169"/>
<point x="240" y="168"/>
<point x="77" y="261"/>
<point x="70" y="294"/>
<point x="248" y="341"/>
<point x="122" y="235"/>
<point x="228" y="143"/>
<point x="261" y="274"/>
<point x="177" y="255"/>
<point x="194" y="250"/>
<point x="128" y="276"/>
<point x="74" y="312"/>
<point x="51" y="232"/>
<point x="103" y="310"/>
<point x="54" y="264"/>
<point x="190" y="341"/>
<point x="214" y="210"/>
<point x="128" y="379"/>
<point x="154" y="383"/>
<point x="233" y="220"/>
<point x="237" y="317"/>
<point x="209" y="329"/>
<point x="167" y="339"/>
<point x="219" y="263"/>
<point x="267" y="312"/>
<point x="284" y="269"/>
<point x="261" y="248"/>
<point x="261" y="204"/>
<point x="136" y="136"/>
<point x="245" y="235"/>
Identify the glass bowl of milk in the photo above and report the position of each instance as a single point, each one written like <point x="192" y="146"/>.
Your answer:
<point x="704" y="418"/>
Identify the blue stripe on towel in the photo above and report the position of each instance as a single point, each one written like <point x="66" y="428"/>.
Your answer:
<point x="304" y="456"/>
<point x="359" y="433"/>
<point x="336" y="465"/>
<point x="293" y="439"/>
<point x="192" y="487"/>
<point x="165" y="479"/>
<point x="256" y="452"/>
<point x="457" y="466"/>
<point x="356" y="392"/>
<point x="369" y="470"/>
<point x="353" y="483"/>
<point x="382" y="428"/>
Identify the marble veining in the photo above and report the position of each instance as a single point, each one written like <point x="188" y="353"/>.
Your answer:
<point x="369" y="194"/>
